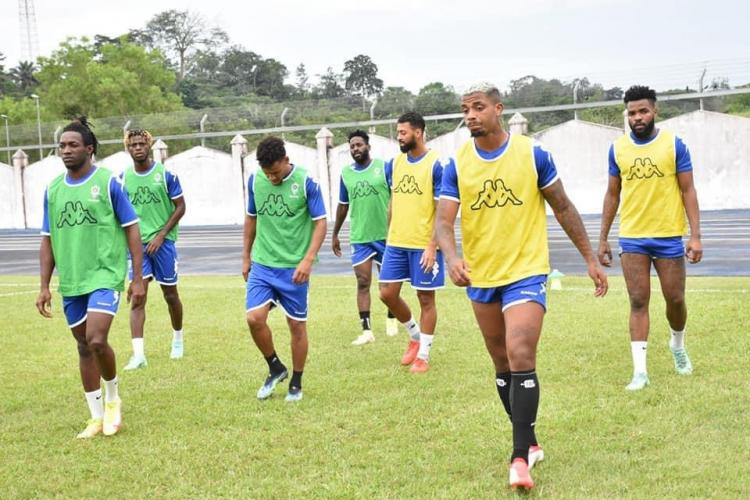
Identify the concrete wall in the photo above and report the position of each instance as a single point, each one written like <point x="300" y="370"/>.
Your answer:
<point x="11" y="209"/>
<point x="212" y="187"/>
<point x="580" y="152"/>
<point x="36" y="178"/>
<point x="117" y="162"/>
<point x="719" y="146"/>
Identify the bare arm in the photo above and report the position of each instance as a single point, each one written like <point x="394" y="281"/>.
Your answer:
<point x="136" y="292"/>
<point x="179" y="211"/>
<point x="694" y="249"/>
<point x="570" y="220"/>
<point x="609" y="210"/>
<point x="446" y="237"/>
<point x="46" y="266"/>
<point x="248" y="238"/>
<point x="341" y="210"/>
<point x="302" y="273"/>
<point x="430" y="253"/>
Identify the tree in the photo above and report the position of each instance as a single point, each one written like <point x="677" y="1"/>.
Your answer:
<point x="437" y="98"/>
<point x="182" y="34"/>
<point x="125" y="79"/>
<point x="361" y="75"/>
<point x="6" y="84"/>
<point x="303" y="85"/>
<point x="329" y="85"/>
<point x="394" y="101"/>
<point x="23" y="77"/>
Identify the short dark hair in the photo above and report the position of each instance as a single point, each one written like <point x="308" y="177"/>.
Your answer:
<point x="412" y="118"/>
<point x="83" y="127"/>
<point x="638" y="92"/>
<point x="270" y="150"/>
<point x="358" y="133"/>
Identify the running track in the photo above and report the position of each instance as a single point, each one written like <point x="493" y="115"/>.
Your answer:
<point x="216" y="250"/>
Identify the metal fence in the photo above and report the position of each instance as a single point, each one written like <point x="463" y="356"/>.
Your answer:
<point x="301" y="120"/>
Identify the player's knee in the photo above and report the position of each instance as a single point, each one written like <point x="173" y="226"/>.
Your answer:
<point x="97" y="345"/>
<point x="676" y="299"/>
<point x="638" y="302"/>
<point x="255" y="320"/>
<point x="171" y="297"/>
<point x="83" y="349"/>
<point x="363" y="283"/>
<point x="521" y="355"/>
<point x="387" y="296"/>
<point x="426" y="299"/>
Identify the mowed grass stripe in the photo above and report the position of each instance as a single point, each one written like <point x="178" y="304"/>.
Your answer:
<point x="367" y="428"/>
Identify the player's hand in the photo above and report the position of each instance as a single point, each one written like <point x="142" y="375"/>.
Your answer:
<point x="428" y="257"/>
<point x="44" y="303"/>
<point x="459" y="272"/>
<point x="599" y="277"/>
<point x="155" y="244"/>
<point x="136" y="293"/>
<point x="302" y="273"/>
<point x="694" y="250"/>
<point x="336" y="245"/>
<point x="246" y="264"/>
<point x="605" y="254"/>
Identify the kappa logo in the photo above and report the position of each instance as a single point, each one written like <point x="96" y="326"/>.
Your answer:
<point x="363" y="189"/>
<point x="74" y="214"/>
<point x="495" y="194"/>
<point x="644" y="168"/>
<point x="408" y="185"/>
<point x="143" y="196"/>
<point x="275" y="206"/>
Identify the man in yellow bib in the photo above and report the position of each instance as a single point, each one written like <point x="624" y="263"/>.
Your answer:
<point x="411" y="251"/>
<point x="500" y="183"/>
<point x="652" y="172"/>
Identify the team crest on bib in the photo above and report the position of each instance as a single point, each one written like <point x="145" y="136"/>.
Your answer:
<point x="94" y="192"/>
<point x="295" y="190"/>
<point x="157" y="177"/>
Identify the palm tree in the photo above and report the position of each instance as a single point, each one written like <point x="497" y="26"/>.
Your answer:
<point x="23" y="77"/>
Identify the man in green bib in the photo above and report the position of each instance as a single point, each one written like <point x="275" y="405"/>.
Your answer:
<point x="157" y="197"/>
<point x="284" y="229"/>
<point x="365" y="189"/>
<point x="87" y="229"/>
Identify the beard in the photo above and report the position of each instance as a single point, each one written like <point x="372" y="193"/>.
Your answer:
<point x="362" y="158"/>
<point x="646" y="132"/>
<point x="478" y="133"/>
<point x="405" y="148"/>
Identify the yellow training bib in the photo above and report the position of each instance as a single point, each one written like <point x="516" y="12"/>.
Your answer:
<point x="652" y="205"/>
<point x="503" y="222"/>
<point x="412" y="202"/>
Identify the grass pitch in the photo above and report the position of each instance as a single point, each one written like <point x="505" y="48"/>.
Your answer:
<point x="367" y="428"/>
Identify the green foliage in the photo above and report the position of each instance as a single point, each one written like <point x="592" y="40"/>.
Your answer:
<point x="367" y="428"/>
<point x="122" y="79"/>
<point x="361" y="75"/>
<point x="181" y="34"/>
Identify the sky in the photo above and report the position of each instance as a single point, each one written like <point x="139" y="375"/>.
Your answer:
<point x="662" y="43"/>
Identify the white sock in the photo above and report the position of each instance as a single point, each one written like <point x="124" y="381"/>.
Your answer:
<point x="96" y="406"/>
<point x="638" y="348"/>
<point x="177" y="335"/>
<point x="110" y="390"/>
<point x="413" y="329"/>
<point x="425" y="343"/>
<point x="138" y="349"/>
<point x="677" y="341"/>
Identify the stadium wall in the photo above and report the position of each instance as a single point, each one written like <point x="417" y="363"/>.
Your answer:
<point x="215" y="182"/>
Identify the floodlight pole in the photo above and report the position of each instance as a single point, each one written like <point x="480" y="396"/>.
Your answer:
<point x="38" y="124"/>
<point x="7" y="136"/>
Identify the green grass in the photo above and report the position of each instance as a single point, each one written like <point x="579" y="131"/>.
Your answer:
<point x="367" y="428"/>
